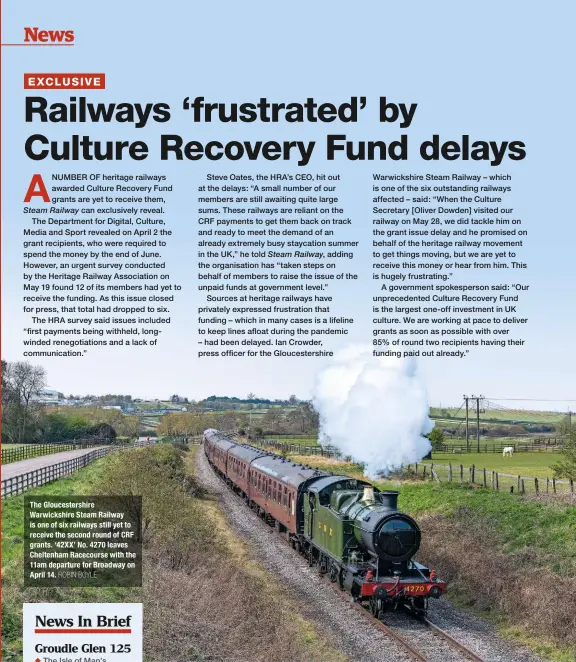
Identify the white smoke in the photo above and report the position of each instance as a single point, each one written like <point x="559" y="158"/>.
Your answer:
<point x="374" y="409"/>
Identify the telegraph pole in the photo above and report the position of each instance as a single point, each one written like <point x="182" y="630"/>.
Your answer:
<point x="478" y="424"/>
<point x="467" y="425"/>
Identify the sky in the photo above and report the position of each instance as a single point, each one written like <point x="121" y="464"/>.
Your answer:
<point x="496" y="71"/>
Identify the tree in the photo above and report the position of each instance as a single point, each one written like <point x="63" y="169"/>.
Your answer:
<point x="566" y="468"/>
<point x="185" y="424"/>
<point x="226" y="421"/>
<point x="129" y="426"/>
<point x="436" y="438"/>
<point x="272" y="419"/>
<point x="251" y="396"/>
<point x="564" y="427"/>
<point x="304" y="417"/>
<point x="293" y="400"/>
<point x="22" y="384"/>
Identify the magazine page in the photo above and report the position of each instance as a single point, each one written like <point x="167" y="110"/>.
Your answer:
<point x="288" y="332"/>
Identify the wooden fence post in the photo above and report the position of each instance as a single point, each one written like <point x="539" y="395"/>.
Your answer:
<point x="498" y="482"/>
<point x="554" y="485"/>
<point x="536" y="485"/>
<point x="523" y="487"/>
<point x="484" y="477"/>
<point x="518" y="484"/>
<point x="473" y="473"/>
<point x="450" y="471"/>
<point x="424" y="473"/>
<point x="547" y="485"/>
<point x="461" y="473"/>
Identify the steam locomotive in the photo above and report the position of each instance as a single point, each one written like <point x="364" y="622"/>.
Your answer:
<point x="353" y="532"/>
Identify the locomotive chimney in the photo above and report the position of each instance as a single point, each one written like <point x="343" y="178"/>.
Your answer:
<point x="389" y="499"/>
<point x="368" y="494"/>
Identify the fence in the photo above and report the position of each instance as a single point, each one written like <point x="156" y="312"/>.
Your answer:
<point x="452" y="473"/>
<point x="34" y="450"/>
<point x="27" y="451"/>
<point x="535" y="446"/>
<point x="281" y="446"/>
<point x="487" y="478"/>
<point x="181" y="438"/>
<point x="21" y="483"/>
<point x="41" y="476"/>
<point x="541" y="445"/>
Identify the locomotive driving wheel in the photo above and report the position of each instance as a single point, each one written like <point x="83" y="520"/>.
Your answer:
<point x="334" y="572"/>
<point x="310" y="555"/>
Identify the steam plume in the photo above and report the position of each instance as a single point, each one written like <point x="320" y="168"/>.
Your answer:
<point x="374" y="409"/>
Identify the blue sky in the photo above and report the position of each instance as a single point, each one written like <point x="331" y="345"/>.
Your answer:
<point x="495" y="71"/>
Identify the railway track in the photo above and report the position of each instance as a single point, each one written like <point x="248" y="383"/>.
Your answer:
<point x="433" y="643"/>
<point x="453" y="642"/>
<point x="436" y="645"/>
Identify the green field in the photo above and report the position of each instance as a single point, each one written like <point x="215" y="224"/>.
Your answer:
<point x="299" y="440"/>
<point x="497" y="441"/>
<point x="520" y="464"/>
<point x="512" y="416"/>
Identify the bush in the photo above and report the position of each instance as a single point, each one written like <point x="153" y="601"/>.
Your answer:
<point x="566" y="468"/>
<point x="436" y="438"/>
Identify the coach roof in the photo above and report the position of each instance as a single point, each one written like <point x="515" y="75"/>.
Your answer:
<point x="246" y="453"/>
<point x="286" y="471"/>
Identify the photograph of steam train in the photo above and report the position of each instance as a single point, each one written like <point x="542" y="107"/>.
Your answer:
<point x="353" y="533"/>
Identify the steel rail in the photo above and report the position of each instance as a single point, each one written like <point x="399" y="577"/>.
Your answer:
<point x="450" y="639"/>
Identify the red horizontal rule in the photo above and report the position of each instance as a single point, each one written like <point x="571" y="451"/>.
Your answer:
<point x="64" y="81"/>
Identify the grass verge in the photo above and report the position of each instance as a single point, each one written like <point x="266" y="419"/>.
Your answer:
<point x="204" y="598"/>
<point x="510" y="559"/>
